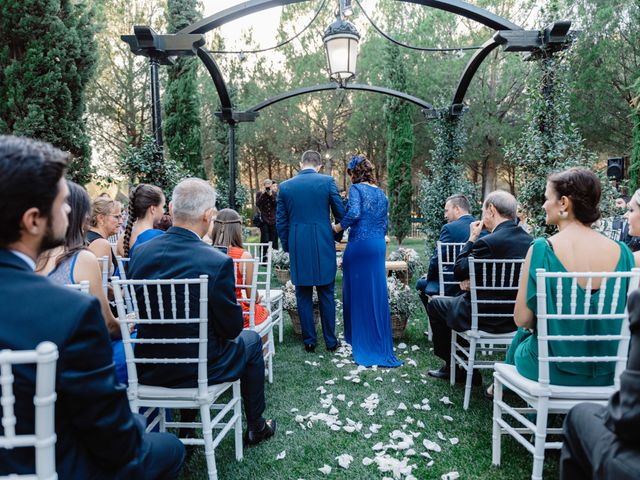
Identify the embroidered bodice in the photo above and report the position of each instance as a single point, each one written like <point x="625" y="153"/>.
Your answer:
<point x="367" y="213"/>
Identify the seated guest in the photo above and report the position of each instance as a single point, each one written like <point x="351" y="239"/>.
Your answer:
<point x="233" y="352"/>
<point x="146" y="207"/>
<point x="506" y="241"/>
<point x="97" y="435"/>
<point x="603" y="442"/>
<point x="227" y="232"/>
<point x="572" y="199"/>
<point x="106" y="219"/>
<point x="456" y="230"/>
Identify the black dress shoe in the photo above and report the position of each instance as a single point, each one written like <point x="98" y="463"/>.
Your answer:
<point x="335" y="347"/>
<point x="310" y="348"/>
<point x="442" y="373"/>
<point x="252" y="438"/>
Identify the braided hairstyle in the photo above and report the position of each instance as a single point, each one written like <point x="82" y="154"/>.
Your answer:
<point x="141" y="198"/>
<point x="227" y="229"/>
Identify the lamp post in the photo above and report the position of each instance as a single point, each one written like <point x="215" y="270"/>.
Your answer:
<point x="341" y="42"/>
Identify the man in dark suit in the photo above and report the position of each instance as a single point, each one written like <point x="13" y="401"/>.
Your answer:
<point x="305" y="231"/>
<point x="603" y="442"/>
<point x="456" y="230"/>
<point x="506" y="241"/>
<point x="267" y="202"/>
<point x="232" y="352"/>
<point x="97" y="435"/>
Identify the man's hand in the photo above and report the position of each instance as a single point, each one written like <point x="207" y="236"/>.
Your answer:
<point x="337" y="228"/>
<point x="474" y="231"/>
<point x="465" y="285"/>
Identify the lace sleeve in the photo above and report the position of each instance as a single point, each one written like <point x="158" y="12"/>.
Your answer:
<point x="354" y="208"/>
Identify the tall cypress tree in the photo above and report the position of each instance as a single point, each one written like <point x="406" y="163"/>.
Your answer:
<point x="400" y="142"/>
<point x="181" y="101"/>
<point x="47" y="57"/>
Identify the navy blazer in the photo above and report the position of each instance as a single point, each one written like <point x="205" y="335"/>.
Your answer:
<point x="304" y="226"/>
<point x="453" y="232"/>
<point x="180" y="253"/>
<point x="96" y="433"/>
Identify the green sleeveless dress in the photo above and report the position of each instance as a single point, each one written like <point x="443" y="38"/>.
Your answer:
<point x="523" y="352"/>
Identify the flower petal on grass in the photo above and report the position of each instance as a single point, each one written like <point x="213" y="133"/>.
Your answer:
<point x="326" y="469"/>
<point x="450" y="476"/>
<point x="281" y="455"/>
<point x="344" y="460"/>
<point x="429" y="445"/>
<point x="446" y="401"/>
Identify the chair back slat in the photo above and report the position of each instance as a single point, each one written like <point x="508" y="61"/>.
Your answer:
<point x="244" y="283"/>
<point x="105" y="275"/>
<point x="263" y="254"/>
<point x="123" y="263"/>
<point x="447" y="254"/>
<point x="494" y="285"/>
<point x="44" y="437"/>
<point x="596" y="336"/>
<point x="83" y="286"/>
<point x="158" y="330"/>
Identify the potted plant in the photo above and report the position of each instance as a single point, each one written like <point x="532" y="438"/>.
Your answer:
<point x="402" y="304"/>
<point x="290" y="304"/>
<point x="411" y="257"/>
<point x="281" y="264"/>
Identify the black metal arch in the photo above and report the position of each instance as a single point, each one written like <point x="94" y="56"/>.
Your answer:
<point x="334" y="86"/>
<point x="457" y="7"/>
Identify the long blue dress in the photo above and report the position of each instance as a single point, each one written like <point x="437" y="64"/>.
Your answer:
<point x="367" y="319"/>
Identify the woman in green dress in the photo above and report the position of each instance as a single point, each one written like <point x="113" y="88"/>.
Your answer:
<point x="571" y="203"/>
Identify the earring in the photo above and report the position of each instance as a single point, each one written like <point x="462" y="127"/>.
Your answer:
<point x="563" y="214"/>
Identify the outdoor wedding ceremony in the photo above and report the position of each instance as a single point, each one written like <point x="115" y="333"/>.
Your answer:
<point x="319" y="239"/>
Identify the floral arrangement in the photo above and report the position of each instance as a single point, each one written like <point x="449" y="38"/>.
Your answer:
<point x="280" y="260"/>
<point x="289" y="301"/>
<point x="408" y="255"/>
<point x="402" y="301"/>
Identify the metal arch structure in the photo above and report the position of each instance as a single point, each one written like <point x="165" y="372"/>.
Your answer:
<point x="162" y="49"/>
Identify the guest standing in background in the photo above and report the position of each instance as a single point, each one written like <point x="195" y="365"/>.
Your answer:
<point x="267" y="203"/>
<point x="367" y="318"/>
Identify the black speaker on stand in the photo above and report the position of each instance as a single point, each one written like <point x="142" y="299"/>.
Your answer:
<point x="615" y="168"/>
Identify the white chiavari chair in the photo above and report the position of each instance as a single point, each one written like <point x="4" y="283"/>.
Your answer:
<point x="608" y="342"/>
<point x="494" y="286"/>
<point x="166" y="303"/>
<point x="44" y="437"/>
<point x="248" y="286"/>
<point x="447" y="254"/>
<point x="83" y="286"/>
<point x="271" y="297"/>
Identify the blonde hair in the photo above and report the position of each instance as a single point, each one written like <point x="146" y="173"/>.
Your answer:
<point x="636" y="196"/>
<point x="101" y="206"/>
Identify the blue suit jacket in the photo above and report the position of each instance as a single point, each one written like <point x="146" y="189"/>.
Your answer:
<point x="454" y="232"/>
<point x="97" y="435"/>
<point x="304" y="226"/>
<point x="180" y="253"/>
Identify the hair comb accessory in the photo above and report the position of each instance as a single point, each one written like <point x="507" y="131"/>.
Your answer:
<point x="355" y="161"/>
<point x="226" y="222"/>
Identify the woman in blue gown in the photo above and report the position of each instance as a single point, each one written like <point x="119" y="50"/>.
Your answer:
<point x="367" y="318"/>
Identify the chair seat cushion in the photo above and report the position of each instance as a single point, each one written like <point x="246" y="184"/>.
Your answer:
<point x="165" y="393"/>
<point x="275" y="294"/>
<point x="533" y="388"/>
<point x="263" y="326"/>
<point x="487" y="335"/>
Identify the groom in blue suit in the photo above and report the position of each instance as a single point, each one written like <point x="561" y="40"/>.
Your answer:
<point x="304" y="228"/>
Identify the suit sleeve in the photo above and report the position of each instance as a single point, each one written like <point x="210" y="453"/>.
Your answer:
<point x="477" y="249"/>
<point x="224" y="310"/>
<point x="282" y="222"/>
<point x="91" y="396"/>
<point x="337" y="207"/>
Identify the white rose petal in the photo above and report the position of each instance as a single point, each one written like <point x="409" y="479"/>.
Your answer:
<point x="281" y="455"/>
<point x="333" y="410"/>
<point x="402" y="346"/>
<point x="402" y="406"/>
<point x="450" y="476"/>
<point x="341" y="397"/>
<point x="441" y="436"/>
<point x="366" y="461"/>
<point x="326" y="469"/>
<point x="420" y="424"/>
<point x="414" y="348"/>
<point x="454" y="441"/>
<point x="429" y="445"/>
<point x="446" y="401"/>
<point x="344" y="460"/>
<point x="448" y="418"/>
<point x="289" y="432"/>
<point x="390" y="413"/>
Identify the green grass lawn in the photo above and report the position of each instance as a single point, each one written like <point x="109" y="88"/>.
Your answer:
<point x="300" y="377"/>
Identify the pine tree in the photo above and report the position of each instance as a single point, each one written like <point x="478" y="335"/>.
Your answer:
<point x="47" y="57"/>
<point x="181" y="100"/>
<point x="400" y="142"/>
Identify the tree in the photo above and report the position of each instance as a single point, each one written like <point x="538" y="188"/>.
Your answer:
<point x="400" y="142"/>
<point x="447" y="175"/>
<point x="550" y="142"/>
<point x="181" y="97"/>
<point x="47" y="57"/>
<point x="118" y="101"/>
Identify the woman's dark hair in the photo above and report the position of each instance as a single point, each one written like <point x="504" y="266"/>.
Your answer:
<point x="164" y="224"/>
<point x="80" y="205"/>
<point x="362" y="172"/>
<point x="31" y="171"/>
<point x="227" y="229"/>
<point x="141" y="198"/>
<point x="583" y="188"/>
